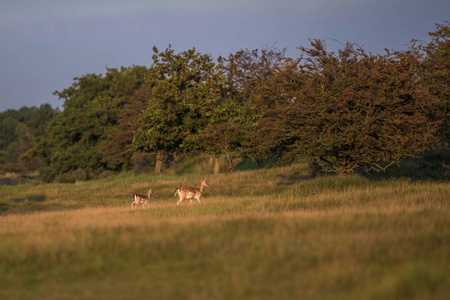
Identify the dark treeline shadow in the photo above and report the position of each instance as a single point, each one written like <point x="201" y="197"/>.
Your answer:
<point x="430" y="166"/>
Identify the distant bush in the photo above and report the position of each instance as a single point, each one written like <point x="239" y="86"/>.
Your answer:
<point x="72" y="177"/>
<point x="78" y="175"/>
<point x="105" y="174"/>
<point x="64" y="178"/>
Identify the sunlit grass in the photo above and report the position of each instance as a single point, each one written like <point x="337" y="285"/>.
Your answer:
<point x="269" y="234"/>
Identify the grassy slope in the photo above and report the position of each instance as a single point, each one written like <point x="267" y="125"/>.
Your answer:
<point x="271" y="234"/>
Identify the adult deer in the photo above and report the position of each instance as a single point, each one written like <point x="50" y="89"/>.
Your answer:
<point x="141" y="199"/>
<point x="186" y="192"/>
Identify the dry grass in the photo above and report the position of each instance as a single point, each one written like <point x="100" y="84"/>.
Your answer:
<point x="272" y="234"/>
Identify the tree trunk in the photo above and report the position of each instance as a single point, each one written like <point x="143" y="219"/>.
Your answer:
<point x="261" y="164"/>
<point x="313" y="166"/>
<point x="216" y="164"/>
<point x="230" y="162"/>
<point x="159" y="160"/>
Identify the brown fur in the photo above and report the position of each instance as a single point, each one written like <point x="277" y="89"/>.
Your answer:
<point x="187" y="192"/>
<point x="141" y="199"/>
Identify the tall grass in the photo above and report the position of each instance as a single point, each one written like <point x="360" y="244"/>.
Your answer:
<point x="269" y="234"/>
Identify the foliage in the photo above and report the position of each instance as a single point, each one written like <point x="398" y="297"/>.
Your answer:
<point x="184" y="93"/>
<point x="436" y="74"/>
<point x="257" y="83"/>
<point x="18" y="132"/>
<point x="142" y="162"/>
<point x="78" y="137"/>
<point x="357" y="109"/>
<point x="221" y="138"/>
<point x="78" y="175"/>
<point x="343" y="110"/>
<point x="119" y="149"/>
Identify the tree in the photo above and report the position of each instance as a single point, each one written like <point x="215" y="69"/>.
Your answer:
<point x="77" y="138"/>
<point x="435" y="70"/>
<point x="357" y="109"/>
<point x="7" y="131"/>
<point x="18" y="131"/>
<point x="257" y="82"/>
<point x="119" y="148"/>
<point x="185" y="89"/>
<point x="220" y="138"/>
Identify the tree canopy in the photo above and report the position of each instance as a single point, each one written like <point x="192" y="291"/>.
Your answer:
<point x="343" y="110"/>
<point x="19" y="130"/>
<point x="184" y="92"/>
<point x="357" y="109"/>
<point x="77" y="138"/>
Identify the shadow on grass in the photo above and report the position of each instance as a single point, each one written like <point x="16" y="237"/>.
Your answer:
<point x="32" y="198"/>
<point x="26" y="205"/>
<point x="4" y="206"/>
<point x="294" y="178"/>
<point x="27" y="211"/>
<point x="16" y="179"/>
<point x="431" y="166"/>
<point x="8" y="181"/>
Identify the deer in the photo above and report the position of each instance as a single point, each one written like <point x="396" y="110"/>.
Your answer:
<point x="141" y="199"/>
<point x="186" y="192"/>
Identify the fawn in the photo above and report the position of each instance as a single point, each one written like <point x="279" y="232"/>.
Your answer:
<point x="141" y="199"/>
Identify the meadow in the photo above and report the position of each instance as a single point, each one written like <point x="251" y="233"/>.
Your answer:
<point x="277" y="233"/>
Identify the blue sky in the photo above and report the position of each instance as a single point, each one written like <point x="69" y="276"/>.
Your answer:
<point x="44" y="44"/>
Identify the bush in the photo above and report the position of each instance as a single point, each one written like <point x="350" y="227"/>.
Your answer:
<point x="64" y="178"/>
<point x="105" y="174"/>
<point x="78" y="175"/>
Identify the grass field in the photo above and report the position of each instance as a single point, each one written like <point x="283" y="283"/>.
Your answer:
<point x="270" y="234"/>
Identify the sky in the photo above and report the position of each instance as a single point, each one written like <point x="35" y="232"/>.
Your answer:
<point x="45" y="44"/>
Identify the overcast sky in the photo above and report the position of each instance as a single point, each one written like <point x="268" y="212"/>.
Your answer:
<point x="44" y="44"/>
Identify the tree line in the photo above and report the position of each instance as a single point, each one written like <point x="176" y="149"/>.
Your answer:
<point x="19" y="130"/>
<point x="343" y="110"/>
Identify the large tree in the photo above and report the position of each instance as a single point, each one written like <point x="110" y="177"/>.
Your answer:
<point x="185" y="90"/>
<point x="358" y="109"/>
